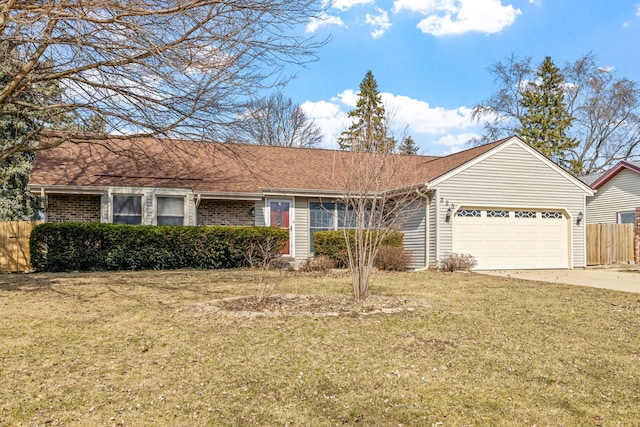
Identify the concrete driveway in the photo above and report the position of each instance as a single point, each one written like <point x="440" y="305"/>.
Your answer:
<point x="614" y="278"/>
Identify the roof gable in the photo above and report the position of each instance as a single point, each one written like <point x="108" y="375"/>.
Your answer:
<point x="498" y="146"/>
<point x="613" y="172"/>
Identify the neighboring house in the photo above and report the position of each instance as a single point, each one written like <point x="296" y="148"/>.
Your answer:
<point x="504" y="203"/>
<point x="617" y="198"/>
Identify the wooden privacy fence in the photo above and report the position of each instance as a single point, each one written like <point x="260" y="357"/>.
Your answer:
<point x="14" y="245"/>
<point x="609" y="244"/>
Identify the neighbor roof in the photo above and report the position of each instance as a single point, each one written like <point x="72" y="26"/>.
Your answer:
<point x="605" y="177"/>
<point x="217" y="167"/>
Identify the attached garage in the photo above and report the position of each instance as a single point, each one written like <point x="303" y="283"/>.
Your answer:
<point x="504" y="238"/>
<point x="509" y="206"/>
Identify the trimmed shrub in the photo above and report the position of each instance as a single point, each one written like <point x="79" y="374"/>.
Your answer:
<point x="332" y="244"/>
<point x="393" y="258"/>
<point x="457" y="262"/>
<point x="100" y="247"/>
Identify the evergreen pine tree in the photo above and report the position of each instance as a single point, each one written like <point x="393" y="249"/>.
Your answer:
<point x="369" y="130"/>
<point x="20" y="124"/>
<point x="408" y="146"/>
<point x="545" y="120"/>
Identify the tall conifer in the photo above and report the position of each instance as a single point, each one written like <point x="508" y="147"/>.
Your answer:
<point x="545" y="120"/>
<point x="369" y="130"/>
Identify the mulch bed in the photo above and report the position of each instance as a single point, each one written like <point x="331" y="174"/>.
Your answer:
<point x="306" y="305"/>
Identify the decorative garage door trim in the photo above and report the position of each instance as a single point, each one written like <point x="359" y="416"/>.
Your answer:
<point x="513" y="238"/>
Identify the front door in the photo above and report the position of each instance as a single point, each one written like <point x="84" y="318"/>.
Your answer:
<point x="280" y="218"/>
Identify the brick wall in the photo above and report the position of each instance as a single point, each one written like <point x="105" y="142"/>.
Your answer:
<point x="73" y="208"/>
<point x="225" y="212"/>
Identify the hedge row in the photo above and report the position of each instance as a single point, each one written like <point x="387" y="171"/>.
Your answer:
<point x="333" y="244"/>
<point x="100" y="247"/>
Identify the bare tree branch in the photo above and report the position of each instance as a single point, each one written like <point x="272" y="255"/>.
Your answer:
<point x="176" y="68"/>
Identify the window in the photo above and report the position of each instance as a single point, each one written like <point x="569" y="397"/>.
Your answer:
<point x="552" y="215"/>
<point x="322" y="217"/>
<point x="497" y="214"/>
<point x="628" y="217"/>
<point x="469" y="212"/>
<point x="170" y="211"/>
<point x="525" y="214"/>
<point x="127" y="209"/>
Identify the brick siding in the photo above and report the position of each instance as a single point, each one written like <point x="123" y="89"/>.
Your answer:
<point x="225" y="212"/>
<point x="73" y="208"/>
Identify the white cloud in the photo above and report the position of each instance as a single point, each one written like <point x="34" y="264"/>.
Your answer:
<point x="423" y="118"/>
<point x="456" y="143"/>
<point x="347" y="4"/>
<point x="380" y="23"/>
<point x="323" y="20"/>
<point x="347" y="97"/>
<point x="638" y="9"/>
<point x="330" y="117"/>
<point x="429" y="126"/>
<point x="444" y="17"/>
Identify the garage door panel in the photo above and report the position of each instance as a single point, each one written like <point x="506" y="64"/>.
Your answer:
<point x="510" y="242"/>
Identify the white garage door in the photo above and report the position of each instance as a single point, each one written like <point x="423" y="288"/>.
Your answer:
<point x="512" y="238"/>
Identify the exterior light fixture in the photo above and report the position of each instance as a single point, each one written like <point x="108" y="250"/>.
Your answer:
<point x="252" y="211"/>
<point x="447" y="216"/>
<point x="579" y="218"/>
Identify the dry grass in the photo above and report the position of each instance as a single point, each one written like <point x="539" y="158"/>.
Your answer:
<point x="134" y="349"/>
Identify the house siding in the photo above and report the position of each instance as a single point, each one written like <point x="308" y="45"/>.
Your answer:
<point x="301" y="230"/>
<point x="621" y="193"/>
<point x="432" y="235"/>
<point x="73" y="208"/>
<point x="413" y="225"/>
<point x="261" y="213"/>
<point x="512" y="177"/>
<point x="225" y="212"/>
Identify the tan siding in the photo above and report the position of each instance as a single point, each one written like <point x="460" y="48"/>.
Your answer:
<point x="413" y="226"/>
<point x="620" y="193"/>
<point x="432" y="236"/>
<point x="301" y="229"/>
<point x="260" y="220"/>
<point x="513" y="177"/>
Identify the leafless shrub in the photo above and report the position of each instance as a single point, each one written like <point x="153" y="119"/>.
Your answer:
<point x="320" y="263"/>
<point x="393" y="258"/>
<point x="457" y="262"/>
<point x="261" y="256"/>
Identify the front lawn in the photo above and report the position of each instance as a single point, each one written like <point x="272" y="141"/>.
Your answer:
<point x="148" y="348"/>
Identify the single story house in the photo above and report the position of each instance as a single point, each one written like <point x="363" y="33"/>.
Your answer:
<point x="504" y="202"/>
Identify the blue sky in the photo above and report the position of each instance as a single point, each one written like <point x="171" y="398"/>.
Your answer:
<point x="430" y="57"/>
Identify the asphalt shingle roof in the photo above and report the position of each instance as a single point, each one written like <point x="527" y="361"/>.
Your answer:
<point x="217" y="167"/>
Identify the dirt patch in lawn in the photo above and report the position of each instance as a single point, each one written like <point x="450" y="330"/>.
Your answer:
<point x="306" y="305"/>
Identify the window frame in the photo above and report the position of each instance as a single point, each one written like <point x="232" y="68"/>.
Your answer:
<point x="113" y="214"/>
<point x="338" y="214"/>
<point x="156" y="209"/>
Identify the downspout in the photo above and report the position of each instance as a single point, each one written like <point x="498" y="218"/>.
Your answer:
<point x="426" y="231"/>
<point x="45" y="203"/>
<point x="195" y="211"/>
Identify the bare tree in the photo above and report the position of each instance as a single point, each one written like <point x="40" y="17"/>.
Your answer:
<point x="380" y="191"/>
<point x="378" y="197"/>
<point x="276" y="120"/>
<point x="147" y="67"/>
<point x="605" y="108"/>
<point x="500" y="114"/>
